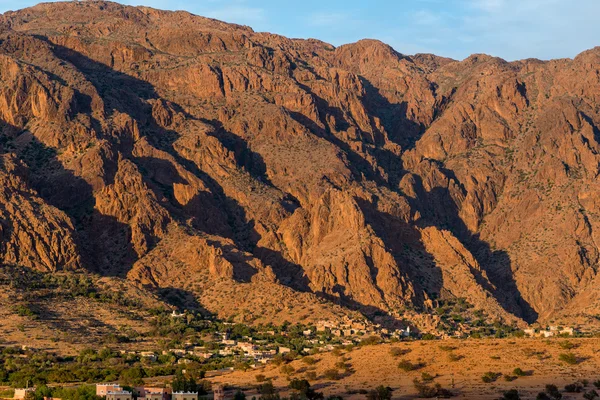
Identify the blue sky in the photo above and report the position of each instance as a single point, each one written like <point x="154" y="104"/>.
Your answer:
<point x="512" y="29"/>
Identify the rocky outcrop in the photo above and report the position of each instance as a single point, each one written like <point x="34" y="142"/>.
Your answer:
<point x="185" y="153"/>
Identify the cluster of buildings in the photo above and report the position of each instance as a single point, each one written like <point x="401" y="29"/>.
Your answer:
<point x="549" y="332"/>
<point x="111" y="391"/>
<point x="356" y="330"/>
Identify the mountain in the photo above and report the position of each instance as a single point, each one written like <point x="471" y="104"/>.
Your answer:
<point x="267" y="177"/>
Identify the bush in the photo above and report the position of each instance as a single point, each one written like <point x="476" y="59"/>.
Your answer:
<point x="591" y="395"/>
<point x="567" y="345"/>
<point x="574" y="388"/>
<point x="553" y="392"/>
<point x="239" y="395"/>
<point x="287" y="369"/>
<point x="309" y="360"/>
<point x="397" y="351"/>
<point x="426" y="377"/>
<point x="407" y="366"/>
<point x="428" y="391"/>
<point x="512" y="394"/>
<point x="371" y="340"/>
<point x="343" y="366"/>
<point x="568" y="358"/>
<point x="260" y="378"/>
<point x="311" y="375"/>
<point x="597" y="384"/>
<point x="452" y="357"/>
<point x="519" y="372"/>
<point x="332" y="374"/>
<point x="542" y="396"/>
<point x="447" y="348"/>
<point x="380" y="393"/>
<point x="490" y="377"/>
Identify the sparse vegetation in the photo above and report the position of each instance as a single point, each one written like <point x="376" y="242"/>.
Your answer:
<point x="490" y="377"/>
<point x="512" y="394"/>
<point x="568" y="358"/>
<point x="332" y="374"/>
<point x="407" y="366"/>
<point x="428" y="391"/>
<point x="380" y="393"/>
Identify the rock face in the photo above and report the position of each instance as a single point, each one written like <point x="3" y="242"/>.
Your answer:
<point x="183" y="152"/>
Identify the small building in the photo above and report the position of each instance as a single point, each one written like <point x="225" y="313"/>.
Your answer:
<point x="529" y="332"/>
<point x="152" y="396"/>
<point x="149" y="355"/>
<point x="184" y="396"/>
<point x="284" y="350"/>
<point x="22" y="393"/>
<point x="152" y="393"/>
<point x="567" y="331"/>
<point x="119" y="395"/>
<point x="103" y="388"/>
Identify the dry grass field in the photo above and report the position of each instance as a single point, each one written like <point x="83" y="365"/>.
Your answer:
<point x="463" y="362"/>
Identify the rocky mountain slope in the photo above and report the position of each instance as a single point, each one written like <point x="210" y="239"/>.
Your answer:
<point x="263" y="175"/>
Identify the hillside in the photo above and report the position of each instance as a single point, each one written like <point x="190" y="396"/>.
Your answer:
<point x="266" y="178"/>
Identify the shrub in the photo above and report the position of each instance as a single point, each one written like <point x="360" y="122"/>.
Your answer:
<point x="553" y="392"/>
<point x="447" y="348"/>
<point x="407" y="366"/>
<point x="342" y="365"/>
<point x="519" y="372"/>
<point x="239" y="395"/>
<point x="512" y="394"/>
<point x="397" y="351"/>
<point x="453" y="357"/>
<point x="332" y="374"/>
<point x="287" y="369"/>
<point x="371" y="340"/>
<point x="542" y="396"/>
<point x="597" y="384"/>
<point x="568" y="358"/>
<point x="490" y="377"/>
<point x="380" y="393"/>
<point x="591" y="395"/>
<point x="574" y="388"/>
<point x="429" y="391"/>
<point x="311" y="375"/>
<point x="260" y="378"/>
<point x="567" y="345"/>
<point x="509" y="378"/>
<point x="426" y="377"/>
<point x="309" y="360"/>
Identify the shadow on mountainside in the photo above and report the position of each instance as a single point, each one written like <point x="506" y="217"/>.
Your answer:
<point x="107" y="243"/>
<point x="393" y="116"/>
<point x="101" y="239"/>
<point x="440" y="210"/>
<point x="211" y="212"/>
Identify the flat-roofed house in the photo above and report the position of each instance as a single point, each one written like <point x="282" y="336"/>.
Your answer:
<point x="22" y="393"/>
<point x="184" y="396"/>
<point x="119" y="395"/>
<point x="103" y="388"/>
<point x="152" y="393"/>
